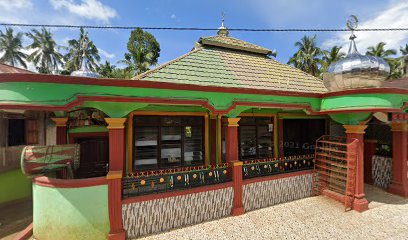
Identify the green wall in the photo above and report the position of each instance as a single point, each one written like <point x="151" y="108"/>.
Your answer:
<point x="13" y="186"/>
<point x="70" y="213"/>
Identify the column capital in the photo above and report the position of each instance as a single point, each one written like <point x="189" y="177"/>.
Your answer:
<point x="232" y="122"/>
<point x="114" y="175"/>
<point x="399" y="126"/>
<point x="116" y="123"/>
<point x="60" y="122"/>
<point x="236" y="163"/>
<point x="355" y="128"/>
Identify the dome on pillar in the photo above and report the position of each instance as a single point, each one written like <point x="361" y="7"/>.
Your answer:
<point x="356" y="70"/>
<point x="84" y="71"/>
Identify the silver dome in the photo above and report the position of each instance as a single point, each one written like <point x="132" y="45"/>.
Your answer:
<point x="356" y="71"/>
<point x="84" y="71"/>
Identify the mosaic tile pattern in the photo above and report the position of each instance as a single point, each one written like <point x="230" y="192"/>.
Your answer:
<point x="381" y="171"/>
<point x="263" y="194"/>
<point x="159" y="215"/>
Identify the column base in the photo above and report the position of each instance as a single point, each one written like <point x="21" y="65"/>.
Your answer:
<point x="360" y="205"/>
<point x="238" y="211"/>
<point x="399" y="189"/>
<point x="121" y="235"/>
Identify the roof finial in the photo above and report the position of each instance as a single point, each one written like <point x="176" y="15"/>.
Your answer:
<point x="222" y="31"/>
<point x="352" y="24"/>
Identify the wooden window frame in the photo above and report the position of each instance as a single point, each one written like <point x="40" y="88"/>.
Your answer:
<point x="275" y="131"/>
<point x="130" y="147"/>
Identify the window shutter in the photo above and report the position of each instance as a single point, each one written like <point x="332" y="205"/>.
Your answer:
<point x="31" y="134"/>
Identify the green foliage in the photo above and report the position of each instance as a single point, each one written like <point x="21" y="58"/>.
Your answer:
<point x="111" y="71"/>
<point x="12" y="45"/>
<point x="45" y="56"/>
<point x="144" y="51"/>
<point x="80" y="49"/>
<point x="331" y="56"/>
<point x="307" y="58"/>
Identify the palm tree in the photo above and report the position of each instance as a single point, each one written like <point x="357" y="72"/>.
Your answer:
<point x="380" y="51"/>
<point x="307" y="56"/>
<point x="138" y="61"/>
<point x="45" y="55"/>
<point x="80" y="49"/>
<point x="404" y="59"/>
<point x="331" y="56"/>
<point x="144" y="51"/>
<point x="106" y="69"/>
<point x="11" y="46"/>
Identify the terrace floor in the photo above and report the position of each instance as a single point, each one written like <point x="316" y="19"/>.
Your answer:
<point x="311" y="218"/>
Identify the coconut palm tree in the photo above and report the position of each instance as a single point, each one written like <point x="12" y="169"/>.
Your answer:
<point x="307" y="58"/>
<point x="144" y="51"/>
<point x="45" y="54"/>
<point x="79" y="49"/>
<point x="138" y="61"/>
<point x="404" y="59"/>
<point x="331" y="56"/>
<point x="380" y="51"/>
<point x="11" y="46"/>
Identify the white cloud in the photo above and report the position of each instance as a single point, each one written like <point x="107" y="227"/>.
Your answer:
<point x="89" y="9"/>
<point x="106" y="54"/>
<point x="15" y="4"/>
<point x="173" y="16"/>
<point x="394" y="16"/>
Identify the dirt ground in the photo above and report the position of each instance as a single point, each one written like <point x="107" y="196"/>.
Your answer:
<point x="15" y="217"/>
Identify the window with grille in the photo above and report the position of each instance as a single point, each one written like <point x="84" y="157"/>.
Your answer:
<point x="167" y="141"/>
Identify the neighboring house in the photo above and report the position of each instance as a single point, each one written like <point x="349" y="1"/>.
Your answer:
<point x="18" y="128"/>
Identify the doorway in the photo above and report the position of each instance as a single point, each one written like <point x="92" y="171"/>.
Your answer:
<point x="94" y="156"/>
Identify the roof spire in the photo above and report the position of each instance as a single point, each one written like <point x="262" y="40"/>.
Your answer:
<point x="352" y="24"/>
<point x="222" y="31"/>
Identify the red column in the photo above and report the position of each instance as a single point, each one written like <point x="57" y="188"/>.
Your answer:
<point x="116" y="167"/>
<point x="238" y="208"/>
<point x="353" y="132"/>
<point x="399" y="184"/>
<point x="61" y="125"/>
<point x="231" y="139"/>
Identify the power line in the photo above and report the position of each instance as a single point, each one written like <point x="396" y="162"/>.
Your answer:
<point x="205" y="29"/>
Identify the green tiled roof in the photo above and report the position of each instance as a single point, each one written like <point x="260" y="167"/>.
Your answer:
<point x="233" y="43"/>
<point x="213" y="65"/>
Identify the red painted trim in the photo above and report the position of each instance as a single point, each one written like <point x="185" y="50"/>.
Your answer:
<point x="61" y="135"/>
<point x="238" y="205"/>
<point x="176" y="193"/>
<point x="333" y="195"/>
<point x="69" y="183"/>
<point x="275" y="177"/>
<point x="74" y="136"/>
<point x="25" y="234"/>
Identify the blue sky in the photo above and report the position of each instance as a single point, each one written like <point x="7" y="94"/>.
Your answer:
<point x="207" y="14"/>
